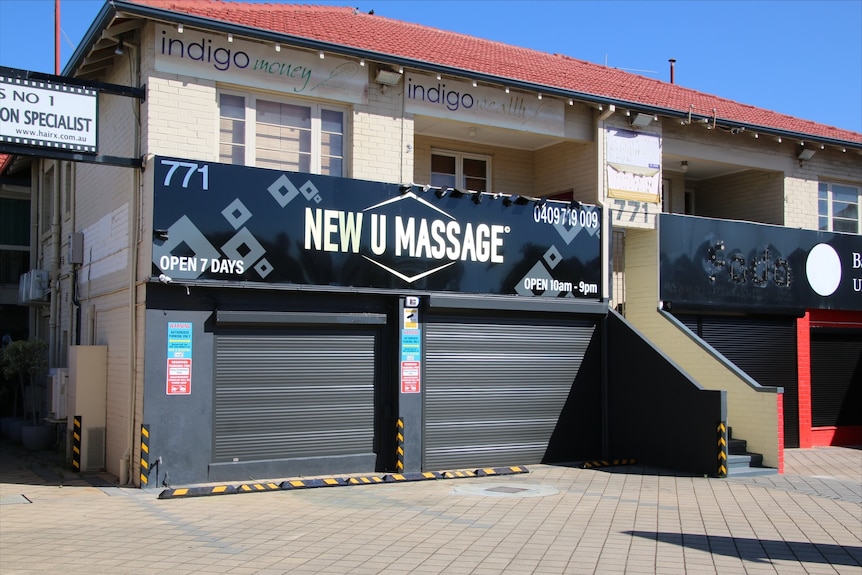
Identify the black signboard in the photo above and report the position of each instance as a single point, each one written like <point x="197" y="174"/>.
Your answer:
<point x="226" y="223"/>
<point x="757" y="267"/>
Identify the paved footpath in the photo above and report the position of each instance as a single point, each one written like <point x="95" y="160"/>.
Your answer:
<point x="629" y="520"/>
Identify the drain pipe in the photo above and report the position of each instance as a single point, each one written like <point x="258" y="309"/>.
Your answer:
<point x="54" y="265"/>
<point x="134" y="215"/>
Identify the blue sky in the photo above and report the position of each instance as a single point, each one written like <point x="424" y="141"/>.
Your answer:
<point x="801" y="58"/>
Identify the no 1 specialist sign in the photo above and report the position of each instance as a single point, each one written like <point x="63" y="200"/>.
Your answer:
<point x="47" y="114"/>
<point x="229" y="223"/>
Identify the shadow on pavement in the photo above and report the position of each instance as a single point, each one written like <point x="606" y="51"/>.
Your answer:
<point x="20" y="466"/>
<point x="760" y="550"/>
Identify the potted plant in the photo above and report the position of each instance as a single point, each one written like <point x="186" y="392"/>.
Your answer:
<point x="27" y="360"/>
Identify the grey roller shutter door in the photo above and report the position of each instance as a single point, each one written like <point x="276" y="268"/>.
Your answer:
<point x="762" y="347"/>
<point x="495" y="390"/>
<point x="303" y="393"/>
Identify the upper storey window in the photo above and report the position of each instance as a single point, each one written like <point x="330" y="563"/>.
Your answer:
<point x="284" y="135"/>
<point x="838" y="208"/>
<point x="458" y="170"/>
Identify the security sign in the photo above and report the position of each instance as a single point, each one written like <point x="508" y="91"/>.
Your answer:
<point x="179" y="368"/>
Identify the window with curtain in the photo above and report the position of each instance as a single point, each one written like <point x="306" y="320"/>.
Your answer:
<point x="285" y="135"/>
<point x="838" y="207"/>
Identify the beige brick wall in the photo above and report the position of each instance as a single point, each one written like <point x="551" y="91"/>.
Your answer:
<point x="757" y="195"/>
<point x="182" y="117"/>
<point x="567" y="167"/>
<point x="382" y="138"/>
<point x="753" y="415"/>
<point x="800" y="207"/>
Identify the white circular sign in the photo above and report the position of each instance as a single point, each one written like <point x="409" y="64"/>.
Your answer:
<point x="823" y="269"/>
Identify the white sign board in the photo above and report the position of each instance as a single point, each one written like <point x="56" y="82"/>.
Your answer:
<point x="48" y="114"/>
<point x="259" y="65"/>
<point x="633" y="165"/>
<point x="487" y="105"/>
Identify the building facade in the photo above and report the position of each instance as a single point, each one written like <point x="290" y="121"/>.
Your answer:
<point x="227" y="251"/>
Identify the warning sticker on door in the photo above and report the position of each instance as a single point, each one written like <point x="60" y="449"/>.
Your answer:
<point x="179" y="368"/>
<point x="411" y="318"/>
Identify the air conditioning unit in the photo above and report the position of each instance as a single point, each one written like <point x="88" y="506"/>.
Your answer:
<point x="33" y="288"/>
<point x="59" y="380"/>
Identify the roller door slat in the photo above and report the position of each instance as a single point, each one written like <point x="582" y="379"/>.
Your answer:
<point x="293" y="395"/>
<point x="495" y="389"/>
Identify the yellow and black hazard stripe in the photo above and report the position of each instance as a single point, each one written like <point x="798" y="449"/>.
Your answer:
<point x="76" y="443"/>
<point x="414" y="476"/>
<point x="145" y="455"/>
<point x="607" y="463"/>
<point x="721" y="432"/>
<point x="182" y="492"/>
<point x="364" y="480"/>
<point x="458" y="474"/>
<point x="399" y="445"/>
<point x="486" y="471"/>
<point x="257" y="487"/>
<point x="315" y="482"/>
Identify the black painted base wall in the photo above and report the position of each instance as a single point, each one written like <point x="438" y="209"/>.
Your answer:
<point x="656" y="414"/>
<point x="578" y="434"/>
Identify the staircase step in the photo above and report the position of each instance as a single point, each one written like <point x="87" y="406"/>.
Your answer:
<point x="734" y="461"/>
<point x="747" y="464"/>
<point x="737" y="446"/>
<point x="750" y="471"/>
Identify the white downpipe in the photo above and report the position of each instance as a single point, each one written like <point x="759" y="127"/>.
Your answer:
<point x="134" y="214"/>
<point x="54" y="265"/>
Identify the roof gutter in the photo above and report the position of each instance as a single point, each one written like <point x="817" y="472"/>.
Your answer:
<point x="94" y="32"/>
<point x="113" y="7"/>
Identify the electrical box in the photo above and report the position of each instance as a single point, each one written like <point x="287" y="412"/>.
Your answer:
<point x="59" y="380"/>
<point x="76" y="248"/>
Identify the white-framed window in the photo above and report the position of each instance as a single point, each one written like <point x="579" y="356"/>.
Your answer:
<point x="461" y="170"/>
<point x="838" y="207"/>
<point x="269" y="132"/>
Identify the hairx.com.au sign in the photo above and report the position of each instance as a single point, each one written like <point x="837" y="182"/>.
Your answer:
<point x="47" y="114"/>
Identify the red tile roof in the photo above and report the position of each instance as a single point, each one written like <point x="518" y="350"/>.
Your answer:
<point x="344" y="26"/>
